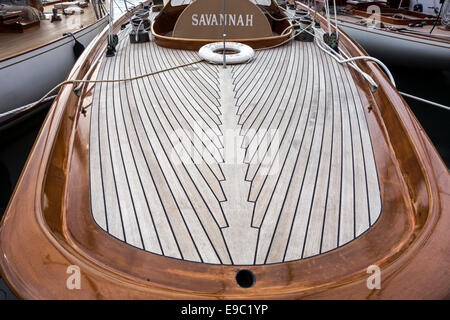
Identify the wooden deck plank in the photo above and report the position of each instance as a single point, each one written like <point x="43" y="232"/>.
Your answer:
<point x="330" y="231"/>
<point x="285" y="191"/>
<point x="181" y="173"/>
<point x="115" y="225"/>
<point x="136" y="165"/>
<point x="372" y="183"/>
<point x="346" y="212"/>
<point x="312" y="241"/>
<point x="153" y="180"/>
<point x="291" y="234"/>
<point x="120" y="158"/>
<point x="361" y="218"/>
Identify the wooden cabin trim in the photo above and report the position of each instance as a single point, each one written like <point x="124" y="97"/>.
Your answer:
<point x="170" y="15"/>
<point x="196" y="44"/>
<point x="55" y="217"/>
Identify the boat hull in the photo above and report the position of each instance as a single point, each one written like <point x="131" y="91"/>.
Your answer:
<point x="32" y="74"/>
<point x="399" y="49"/>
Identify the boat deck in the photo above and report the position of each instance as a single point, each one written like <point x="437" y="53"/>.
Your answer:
<point x="259" y="163"/>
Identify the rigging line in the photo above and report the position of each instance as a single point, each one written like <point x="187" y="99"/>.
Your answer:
<point x="327" y="12"/>
<point x="289" y="14"/>
<point x="437" y="19"/>
<point x="349" y="60"/>
<point x="111" y="19"/>
<point x="297" y="24"/>
<point x="425" y="101"/>
<point x="340" y="59"/>
<point x="272" y="17"/>
<point x="287" y="40"/>
<point x="32" y="105"/>
<point x="126" y="6"/>
<point x="117" y="6"/>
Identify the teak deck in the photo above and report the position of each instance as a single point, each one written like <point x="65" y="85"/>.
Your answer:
<point x="105" y="170"/>
<point x="265" y="162"/>
<point x="13" y="43"/>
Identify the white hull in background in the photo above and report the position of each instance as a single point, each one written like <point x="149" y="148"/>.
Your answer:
<point x="400" y="49"/>
<point x="27" y="77"/>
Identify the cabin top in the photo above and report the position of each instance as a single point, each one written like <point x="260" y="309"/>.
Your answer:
<point x="191" y="24"/>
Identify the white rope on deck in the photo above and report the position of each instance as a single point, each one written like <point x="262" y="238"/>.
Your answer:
<point x="344" y="58"/>
<point x="32" y="105"/>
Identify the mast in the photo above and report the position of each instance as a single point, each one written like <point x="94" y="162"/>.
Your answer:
<point x="224" y="36"/>
<point x="112" y="38"/>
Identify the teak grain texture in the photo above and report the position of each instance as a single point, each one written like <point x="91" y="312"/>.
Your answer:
<point x="265" y="162"/>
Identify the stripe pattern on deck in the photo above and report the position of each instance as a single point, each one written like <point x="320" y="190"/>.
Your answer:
<point x="301" y="179"/>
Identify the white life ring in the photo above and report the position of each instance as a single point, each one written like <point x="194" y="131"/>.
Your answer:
<point x="239" y="52"/>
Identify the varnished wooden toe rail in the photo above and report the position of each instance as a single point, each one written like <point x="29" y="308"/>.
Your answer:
<point x="49" y="223"/>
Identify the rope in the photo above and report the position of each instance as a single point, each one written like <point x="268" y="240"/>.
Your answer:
<point x="350" y="61"/>
<point x="32" y="105"/>
<point x="425" y="101"/>
<point x="287" y="40"/>
<point x="340" y="59"/>
<point x="272" y="17"/>
<point x="297" y="24"/>
<point x="24" y="108"/>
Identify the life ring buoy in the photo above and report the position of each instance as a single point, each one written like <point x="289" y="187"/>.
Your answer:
<point x="237" y="52"/>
